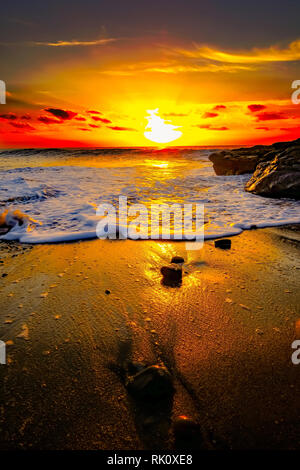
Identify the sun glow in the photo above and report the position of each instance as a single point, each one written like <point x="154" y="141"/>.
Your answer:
<point x="160" y="132"/>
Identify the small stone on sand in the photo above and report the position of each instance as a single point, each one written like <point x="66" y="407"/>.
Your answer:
<point x="177" y="259"/>
<point x="244" y="307"/>
<point x="172" y="274"/>
<point x="223" y="243"/>
<point x="24" y="333"/>
<point x="151" y="383"/>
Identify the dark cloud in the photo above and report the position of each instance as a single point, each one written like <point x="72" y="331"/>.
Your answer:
<point x="26" y="116"/>
<point x="22" y="125"/>
<point x="267" y="116"/>
<point x="61" y="113"/>
<point x="48" y="120"/>
<point x="8" y="116"/>
<point x="105" y="121"/>
<point x="80" y="118"/>
<point x="263" y="128"/>
<point x="254" y="108"/>
<point x="94" y="126"/>
<point x="209" y="114"/>
<point x="83" y="129"/>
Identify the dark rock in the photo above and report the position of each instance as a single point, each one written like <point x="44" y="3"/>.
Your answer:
<point x="172" y="274"/>
<point x="223" y="243"/>
<point x="133" y="368"/>
<point x="4" y="274"/>
<point x="177" y="259"/>
<point x="187" y="433"/>
<point x="107" y="292"/>
<point x="278" y="178"/>
<point x="234" y="162"/>
<point x="151" y="383"/>
<point x="276" y="168"/>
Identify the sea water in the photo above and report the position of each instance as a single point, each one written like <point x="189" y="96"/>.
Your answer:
<point x="60" y="189"/>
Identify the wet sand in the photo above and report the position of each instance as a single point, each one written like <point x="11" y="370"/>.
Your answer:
<point x="225" y="335"/>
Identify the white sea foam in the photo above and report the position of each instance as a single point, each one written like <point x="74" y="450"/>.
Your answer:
<point x="62" y="189"/>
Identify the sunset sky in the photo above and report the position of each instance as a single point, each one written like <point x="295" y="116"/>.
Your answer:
<point x="84" y="73"/>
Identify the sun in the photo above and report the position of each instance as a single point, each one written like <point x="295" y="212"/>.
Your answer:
<point x="160" y="132"/>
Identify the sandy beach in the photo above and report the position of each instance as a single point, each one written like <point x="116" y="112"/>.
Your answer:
<point x="224" y="335"/>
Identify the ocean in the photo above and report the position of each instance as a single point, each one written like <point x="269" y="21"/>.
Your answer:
<point x="60" y="189"/>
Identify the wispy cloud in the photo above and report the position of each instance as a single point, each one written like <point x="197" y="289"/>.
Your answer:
<point x="96" y="42"/>
<point x="72" y="43"/>
<point x="174" y="68"/>
<point x="253" y="56"/>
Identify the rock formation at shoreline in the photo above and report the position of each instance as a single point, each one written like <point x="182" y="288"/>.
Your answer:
<point x="276" y="168"/>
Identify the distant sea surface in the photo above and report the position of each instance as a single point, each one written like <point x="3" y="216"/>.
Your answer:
<point x="61" y="188"/>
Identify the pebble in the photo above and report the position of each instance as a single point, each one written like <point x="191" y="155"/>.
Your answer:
<point x="24" y="333"/>
<point x="244" y="307"/>
<point x="187" y="433"/>
<point x="177" y="259"/>
<point x="223" y="243"/>
<point x="151" y="383"/>
<point x="172" y="275"/>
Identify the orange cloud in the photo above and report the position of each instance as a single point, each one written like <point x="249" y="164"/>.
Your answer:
<point x="254" y="56"/>
<point x="119" y="128"/>
<point x="272" y="116"/>
<point x="256" y="107"/>
<point x="93" y="112"/>
<point x="22" y="125"/>
<point x="211" y="128"/>
<point x="208" y="115"/>
<point x="105" y="121"/>
<point x="8" y="116"/>
<point x="49" y="120"/>
<point x="219" y="107"/>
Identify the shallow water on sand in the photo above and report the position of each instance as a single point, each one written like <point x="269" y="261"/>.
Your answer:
<point x="61" y="189"/>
